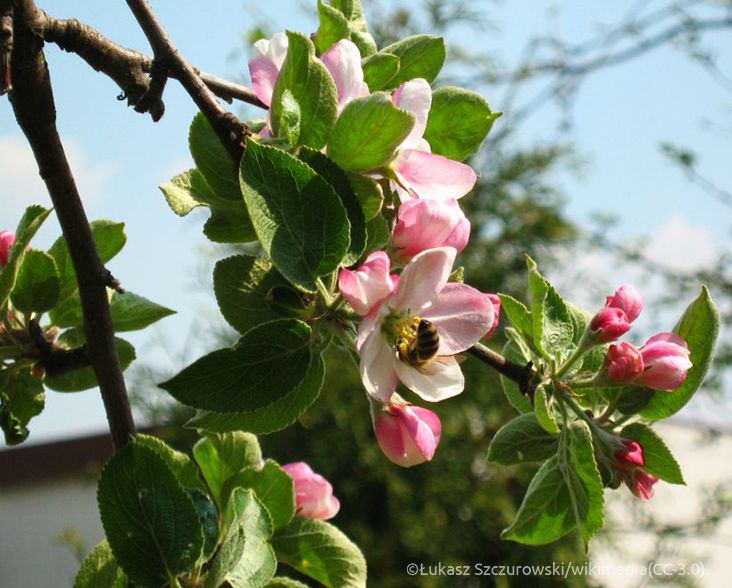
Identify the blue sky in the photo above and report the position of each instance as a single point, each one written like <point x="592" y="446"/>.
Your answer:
<point x="120" y="157"/>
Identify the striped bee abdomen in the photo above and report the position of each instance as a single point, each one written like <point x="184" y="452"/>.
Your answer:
<point x="428" y="341"/>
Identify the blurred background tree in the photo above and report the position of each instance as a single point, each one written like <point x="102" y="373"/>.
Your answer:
<point x="452" y="510"/>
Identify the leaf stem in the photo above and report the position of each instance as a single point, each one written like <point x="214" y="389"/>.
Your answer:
<point x="323" y="291"/>
<point x="608" y="412"/>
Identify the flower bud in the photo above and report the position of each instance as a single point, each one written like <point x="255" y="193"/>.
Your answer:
<point x="666" y="360"/>
<point x="369" y="285"/>
<point x="425" y="224"/>
<point x="641" y="484"/>
<point x="609" y="324"/>
<point x="313" y="493"/>
<point x="7" y="238"/>
<point x="627" y="299"/>
<point x="623" y="363"/>
<point x="630" y="456"/>
<point x="408" y="435"/>
<point x="496" y="302"/>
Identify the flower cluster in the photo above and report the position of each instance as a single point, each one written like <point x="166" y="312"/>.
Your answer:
<point x="661" y="364"/>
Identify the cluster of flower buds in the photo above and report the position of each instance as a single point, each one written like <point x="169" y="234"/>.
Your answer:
<point x="628" y="464"/>
<point x="661" y="364"/>
<point x="7" y="238"/>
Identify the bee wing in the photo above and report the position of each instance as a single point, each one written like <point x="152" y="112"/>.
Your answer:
<point x="429" y="368"/>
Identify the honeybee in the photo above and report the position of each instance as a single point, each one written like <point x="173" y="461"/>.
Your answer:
<point x="418" y="344"/>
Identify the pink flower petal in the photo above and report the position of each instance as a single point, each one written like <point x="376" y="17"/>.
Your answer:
<point x="423" y="278"/>
<point x="414" y="96"/>
<point x="343" y="60"/>
<point x="462" y="316"/>
<point x="366" y="287"/>
<point x="377" y="367"/>
<point x="442" y="380"/>
<point x="264" y="67"/>
<point x="433" y="177"/>
<point x="425" y="224"/>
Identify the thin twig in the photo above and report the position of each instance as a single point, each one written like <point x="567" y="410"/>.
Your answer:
<point x="35" y="111"/>
<point x="521" y="374"/>
<point x="230" y="130"/>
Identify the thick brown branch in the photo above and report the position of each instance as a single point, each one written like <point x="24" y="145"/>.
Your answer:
<point x="35" y="111"/>
<point x="6" y="45"/>
<point x="126" y="67"/>
<point x="229" y="129"/>
<point x="521" y="374"/>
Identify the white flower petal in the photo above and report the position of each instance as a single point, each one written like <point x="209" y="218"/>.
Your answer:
<point x="442" y="379"/>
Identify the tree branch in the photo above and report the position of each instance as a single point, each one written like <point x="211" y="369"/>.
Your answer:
<point x="230" y="130"/>
<point x="125" y="66"/>
<point x="35" y="111"/>
<point x="521" y="374"/>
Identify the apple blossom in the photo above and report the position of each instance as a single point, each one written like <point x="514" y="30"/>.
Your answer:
<point x="264" y="67"/>
<point x="666" y="361"/>
<point x="7" y="238"/>
<point x="313" y="493"/>
<point x="641" y="484"/>
<point x="609" y="324"/>
<point x="408" y="435"/>
<point x="425" y="224"/>
<point x="460" y="314"/>
<point x="495" y="300"/>
<point x="343" y="61"/>
<point x="369" y="285"/>
<point x="418" y="172"/>
<point x="627" y="299"/>
<point x="630" y="456"/>
<point x="623" y="363"/>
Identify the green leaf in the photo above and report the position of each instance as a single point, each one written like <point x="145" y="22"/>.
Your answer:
<point x="421" y="56"/>
<point x="37" y="287"/>
<point x="149" y="520"/>
<point x="379" y="69"/>
<point x="333" y="27"/>
<point x="517" y="351"/>
<point x="369" y="193"/>
<point x="285" y="583"/>
<point x="458" y="122"/>
<point x="340" y="182"/>
<point x="27" y="228"/>
<point x="109" y="238"/>
<point x="21" y="398"/>
<point x="229" y="222"/>
<point x="566" y="491"/>
<point x="222" y="456"/>
<point x="242" y="285"/>
<point x="182" y="466"/>
<point x="368" y="131"/>
<point x="592" y="360"/>
<point x="659" y="460"/>
<point x="299" y="218"/>
<point x="245" y="517"/>
<point x="84" y="379"/>
<point x="100" y="570"/>
<point x="273" y="417"/>
<point x="584" y="483"/>
<point x="322" y="552"/>
<point x="552" y="325"/>
<point x="633" y="399"/>
<point x="518" y="315"/>
<point x="274" y="488"/>
<point x="239" y="379"/>
<point x="543" y="414"/>
<point x="213" y="162"/>
<point x="290" y="117"/>
<point x="312" y="87"/>
<point x="699" y="327"/>
<point x="378" y="235"/>
<point x="521" y="440"/>
<point x="209" y="519"/>
<point x="353" y="11"/>
<point x="131" y="312"/>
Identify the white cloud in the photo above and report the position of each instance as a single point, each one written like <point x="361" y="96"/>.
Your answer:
<point x="22" y="186"/>
<point x="679" y="244"/>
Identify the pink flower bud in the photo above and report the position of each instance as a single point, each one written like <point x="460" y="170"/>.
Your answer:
<point x="627" y="299"/>
<point x="7" y="238"/>
<point x="666" y="360"/>
<point x="313" y="493"/>
<point x="630" y="456"/>
<point x="426" y="224"/>
<point x="369" y="285"/>
<point x="496" y="302"/>
<point x="408" y="435"/>
<point x="641" y="484"/>
<point x="609" y="324"/>
<point x="623" y="363"/>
